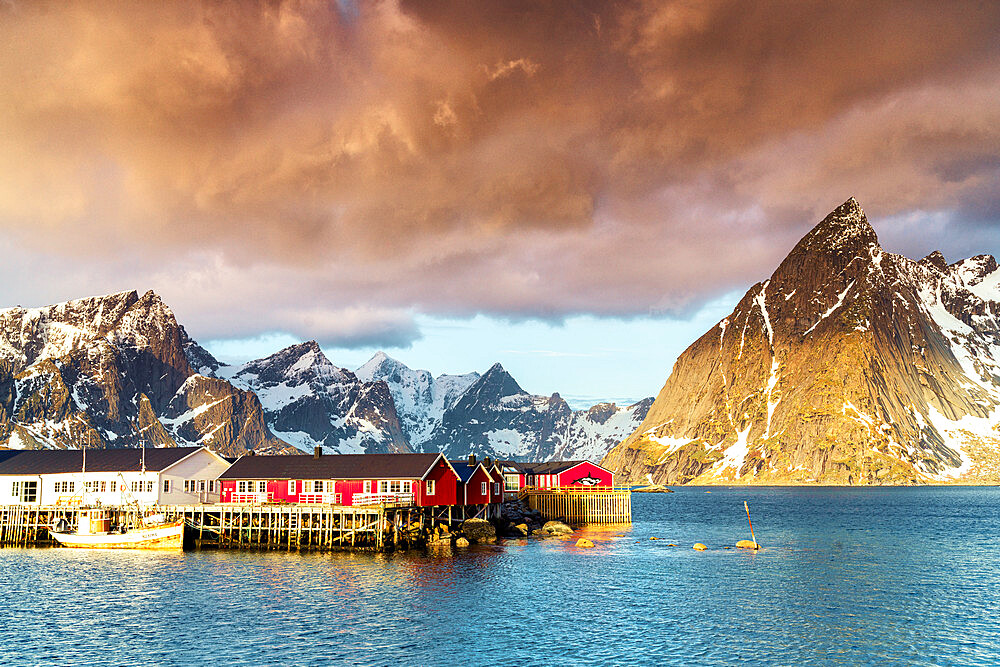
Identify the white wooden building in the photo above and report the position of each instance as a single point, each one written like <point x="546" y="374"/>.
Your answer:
<point x="166" y="476"/>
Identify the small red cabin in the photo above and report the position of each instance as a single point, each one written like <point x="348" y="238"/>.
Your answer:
<point x="475" y="484"/>
<point x="422" y="480"/>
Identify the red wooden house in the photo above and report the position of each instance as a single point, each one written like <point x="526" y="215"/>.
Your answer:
<point x="475" y="484"/>
<point x="422" y="480"/>
<point x="554" y="474"/>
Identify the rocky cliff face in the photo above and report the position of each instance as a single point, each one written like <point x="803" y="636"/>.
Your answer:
<point x="114" y="371"/>
<point x="850" y="365"/>
<point x="308" y="402"/>
<point x="494" y="417"/>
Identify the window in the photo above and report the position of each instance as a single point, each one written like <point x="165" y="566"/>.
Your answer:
<point x="113" y="485"/>
<point x="104" y="486"/>
<point x="166" y="486"/>
<point x="395" y="486"/>
<point x="430" y="487"/>
<point x="261" y="487"/>
<point x="135" y="487"/>
<point x="291" y="487"/>
<point x="496" y="488"/>
<point x="29" y="492"/>
<point x="329" y="486"/>
<point x="15" y="490"/>
<point x="317" y="486"/>
<point x="511" y="482"/>
<point x="241" y="486"/>
<point x="368" y="486"/>
<point x="201" y="486"/>
<point x="483" y="488"/>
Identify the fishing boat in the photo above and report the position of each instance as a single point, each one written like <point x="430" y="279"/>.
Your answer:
<point x="141" y="532"/>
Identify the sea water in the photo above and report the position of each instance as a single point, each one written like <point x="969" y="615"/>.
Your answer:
<point x="844" y="577"/>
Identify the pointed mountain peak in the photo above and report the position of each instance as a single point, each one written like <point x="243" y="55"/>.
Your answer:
<point x="299" y="362"/>
<point x="846" y="227"/>
<point x="381" y="367"/>
<point x="832" y="245"/>
<point x="935" y="259"/>
<point x="500" y="381"/>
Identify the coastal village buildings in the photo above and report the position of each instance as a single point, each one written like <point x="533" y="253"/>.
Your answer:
<point x="554" y="474"/>
<point x="196" y="475"/>
<point x="164" y="476"/>
<point x="476" y="485"/>
<point x="421" y="480"/>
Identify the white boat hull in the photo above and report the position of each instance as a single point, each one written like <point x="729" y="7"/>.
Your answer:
<point x="168" y="536"/>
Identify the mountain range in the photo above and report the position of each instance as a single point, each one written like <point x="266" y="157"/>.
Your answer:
<point x="119" y="371"/>
<point x="849" y="365"/>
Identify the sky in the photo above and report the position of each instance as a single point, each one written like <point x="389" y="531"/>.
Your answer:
<point x="576" y="190"/>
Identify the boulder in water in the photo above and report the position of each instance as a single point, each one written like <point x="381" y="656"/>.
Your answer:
<point x="479" y="530"/>
<point x="584" y="543"/>
<point x="556" y="527"/>
<point x="699" y="546"/>
<point x="747" y="544"/>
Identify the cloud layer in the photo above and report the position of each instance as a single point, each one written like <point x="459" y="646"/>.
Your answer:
<point x="330" y="169"/>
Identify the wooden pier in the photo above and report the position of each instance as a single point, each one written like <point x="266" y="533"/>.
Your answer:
<point x="264" y="526"/>
<point x="581" y="504"/>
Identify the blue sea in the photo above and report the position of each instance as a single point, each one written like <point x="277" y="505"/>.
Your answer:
<point x="906" y="576"/>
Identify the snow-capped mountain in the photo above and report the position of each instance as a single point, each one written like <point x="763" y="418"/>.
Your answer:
<point x="119" y="371"/>
<point x="308" y="402"/>
<point x="494" y="417"/>
<point x="112" y="371"/>
<point x="420" y="398"/>
<point x="850" y="365"/>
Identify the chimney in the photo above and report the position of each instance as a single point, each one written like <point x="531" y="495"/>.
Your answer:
<point x="472" y="459"/>
<point x="488" y="462"/>
<point x="317" y="452"/>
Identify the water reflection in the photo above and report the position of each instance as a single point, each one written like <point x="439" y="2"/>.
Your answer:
<point x="841" y="580"/>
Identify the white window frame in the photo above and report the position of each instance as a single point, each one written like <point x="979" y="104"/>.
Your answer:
<point x="291" y="487"/>
<point x="24" y="491"/>
<point x="166" y="485"/>
<point x="242" y="486"/>
<point x="262" y="486"/>
<point x="367" y="486"/>
<point x="430" y="487"/>
<point x="484" y="489"/>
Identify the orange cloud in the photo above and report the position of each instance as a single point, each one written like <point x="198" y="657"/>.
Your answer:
<point x="517" y="158"/>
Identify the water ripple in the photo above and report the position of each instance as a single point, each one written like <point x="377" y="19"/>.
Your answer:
<point x="846" y="577"/>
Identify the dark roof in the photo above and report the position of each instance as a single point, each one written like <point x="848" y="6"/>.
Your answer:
<point x="466" y="471"/>
<point x="543" y="467"/>
<point x="332" y="466"/>
<point x="7" y="453"/>
<point x="54" y="461"/>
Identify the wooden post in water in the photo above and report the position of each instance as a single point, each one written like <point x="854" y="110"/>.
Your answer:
<point x="747" y="507"/>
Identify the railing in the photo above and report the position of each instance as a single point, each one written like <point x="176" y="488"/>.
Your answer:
<point x="573" y="488"/>
<point x="251" y="498"/>
<point x="383" y="499"/>
<point x="320" y="498"/>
